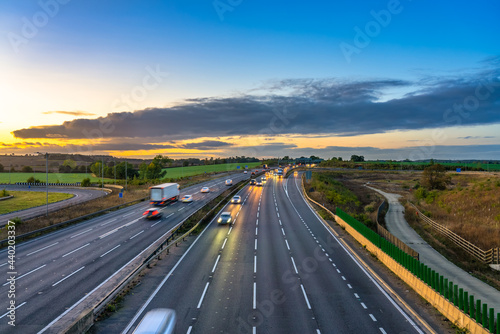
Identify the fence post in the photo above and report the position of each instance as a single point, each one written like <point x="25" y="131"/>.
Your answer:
<point x="450" y="291"/>
<point x="455" y="295"/>
<point x="478" y="311"/>
<point x="485" y="315"/>
<point x="466" y="302"/>
<point x="472" y="309"/>
<point x="492" y="320"/>
<point x="461" y="299"/>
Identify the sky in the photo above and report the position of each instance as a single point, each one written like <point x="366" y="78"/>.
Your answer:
<point x="383" y="79"/>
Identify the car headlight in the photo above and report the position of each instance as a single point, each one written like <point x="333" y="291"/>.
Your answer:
<point x="229" y="220"/>
<point x="220" y="219"/>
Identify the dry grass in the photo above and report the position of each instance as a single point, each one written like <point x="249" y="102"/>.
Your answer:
<point x="470" y="207"/>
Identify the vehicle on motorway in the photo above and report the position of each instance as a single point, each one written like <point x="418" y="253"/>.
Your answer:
<point x="280" y="172"/>
<point x="163" y="194"/>
<point x="252" y="173"/>
<point x="229" y="182"/>
<point x="263" y="179"/>
<point x="259" y="183"/>
<point x="205" y="190"/>
<point x="295" y="173"/>
<point x="187" y="199"/>
<point x="245" y="172"/>
<point x="265" y="166"/>
<point x="236" y="199"/>
<point x="157" y="321"/>
<point x="252" y="182"/>
<point x="152" y="213"/>
<point x="225" y="218"/>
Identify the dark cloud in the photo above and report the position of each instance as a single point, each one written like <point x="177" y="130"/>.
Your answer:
<point x="206" y="145"/>
<point x="476" y="137"/>
<point x="490" y="152"/>
<point x="73" y="113"/>
<point x="309" y="107"/>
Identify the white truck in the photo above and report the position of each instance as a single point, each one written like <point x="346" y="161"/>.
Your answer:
<point x="164" y="193"/>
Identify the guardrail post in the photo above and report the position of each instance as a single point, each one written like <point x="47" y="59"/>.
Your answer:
<point x="485" y="315"/>
<point x="478" y="311"/>
<point x="445" y="288"/>
<point x="455" y="295"/>
<point x="466" y="302"/>
<point x="498" y="323"/>
<point x="492" y="320"/>
<point x="441" y="285"/>
<point x="472" y="310"/>
<point x="450" y="291"/>
<point x="461" y="299"/>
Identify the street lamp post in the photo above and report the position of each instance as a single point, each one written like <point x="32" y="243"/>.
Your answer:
<point x="46" y="180"/>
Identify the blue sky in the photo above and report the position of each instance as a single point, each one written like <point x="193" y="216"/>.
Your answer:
<point x="85" y="58"/>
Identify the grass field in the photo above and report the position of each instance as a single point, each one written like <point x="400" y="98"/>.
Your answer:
<point x="29" y="199"/>
<point x="53" y="177"/>
<point x="177" y="172"/>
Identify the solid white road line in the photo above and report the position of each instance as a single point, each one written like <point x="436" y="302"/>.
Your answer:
<point x="203" y="295"/>
<point x="80" y="233"/>
<point x="216" y="261"/>
<point x="109" y="221"/>
<point x="112" y="249"/>
<point x="75" y="250"/>
<point x="294" y="266"/>
<point x="373" y="318"/>
<point x="305" y="296"/>
<point x="254" y="295"/>
<point x="170" y="215"/>
<point x="3" y="315"/>
<point x="255" y="264"/>
<point x="189" y="330"/>
<point x="41" y="249"/>
<point x="287" y="246"/>
<point x="255" y="244"/>
<point x="132" y="237"/>
<point x="25" y="274"/>
<point x="382" y="330"/>
<point x="128" y="214"/>
<point x="224" y="244"/>
<point x="74" y="272"/>
<point x="364" y="306"/>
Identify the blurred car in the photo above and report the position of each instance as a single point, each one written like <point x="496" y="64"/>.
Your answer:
<point x="245" y="172"/>
<point x="236" y="199"/>
<point x="259" y="183"/>
<point x="252" y="182"/>
<point x="263" y="179"/>
<point x="229" y="182"/>
<point x="252" y="173"/>
<point x="187" y="199"/>
<point x="205" y="190"/>
<point x="225" y="218"/>
<point x="152" y="213"/>
<point x="158" y="320"/>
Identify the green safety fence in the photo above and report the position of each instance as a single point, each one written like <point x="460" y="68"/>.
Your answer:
<point x="455" y="294"/>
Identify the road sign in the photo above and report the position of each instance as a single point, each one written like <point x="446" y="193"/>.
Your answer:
<point x="459" y="170"/>
<point x="120" y="195"/>
<point x="237" y="167"/>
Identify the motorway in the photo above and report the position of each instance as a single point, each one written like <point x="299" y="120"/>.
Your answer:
<point x="277" y="269"/>
<point x="54" y="272"/>
<point x="79" y="196"/>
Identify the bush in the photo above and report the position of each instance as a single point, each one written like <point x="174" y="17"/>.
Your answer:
<point x="86" y="182"/>
<point x="31" y="179"/>
<point x="369" y="208"/>
<point x="4" y="193"/>
<point x="421" y="193"/>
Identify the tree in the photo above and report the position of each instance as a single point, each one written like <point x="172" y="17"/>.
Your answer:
<point x="31" y="179"/>
<point x="85" y="182"/>
<point x="434" y="177"/>
<point x="155" y="168"/>
<point x="69" y="163"/>
<point x="357" y="158"/>
<point x="1" y="168"/>
<point x="120" y="170"/>
<point x="27" y="169"/>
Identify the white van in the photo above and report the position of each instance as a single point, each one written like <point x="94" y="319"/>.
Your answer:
<point x="157" y="321"/>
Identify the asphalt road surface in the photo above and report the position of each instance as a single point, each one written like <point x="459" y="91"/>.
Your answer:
<point x="55" y="271"/>
<point x="79" y="196"/>
<point x="277" y="269"/>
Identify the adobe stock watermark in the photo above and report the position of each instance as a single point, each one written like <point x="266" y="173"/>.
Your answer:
<point x="455" y="116"/>
<point x="126" y="102"/>
<point x="31" y="26"/>
<point x="372" y="29"/>
<point x="221" y="7"/>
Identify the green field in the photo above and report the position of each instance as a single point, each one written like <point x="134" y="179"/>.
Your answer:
<point x="53" y="177"/>
<point x="177" y="172"/>
<point x="29" y="199"/>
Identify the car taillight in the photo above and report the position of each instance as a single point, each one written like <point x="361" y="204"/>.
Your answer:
<point x="155" y="212"/>
<point x="145" y="213"/>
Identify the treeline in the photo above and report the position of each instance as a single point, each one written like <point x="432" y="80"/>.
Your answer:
<point x="359" y="163"/>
